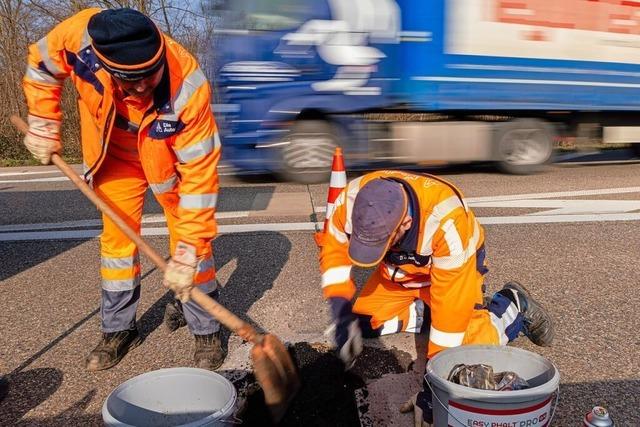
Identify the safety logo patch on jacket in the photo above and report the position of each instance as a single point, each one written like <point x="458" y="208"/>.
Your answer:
<point x="162" y="129"/>
<point x="403" y="258"/>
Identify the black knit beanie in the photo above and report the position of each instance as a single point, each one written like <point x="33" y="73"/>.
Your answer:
<point x="127" y="43"/>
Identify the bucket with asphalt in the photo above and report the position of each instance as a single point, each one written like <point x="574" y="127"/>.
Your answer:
<point x="456" y="405"/>
<point x="185" y="397"/>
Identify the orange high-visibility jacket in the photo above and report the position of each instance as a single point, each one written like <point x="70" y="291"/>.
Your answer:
<point x="177" y="140"/>
<point x="442" y="256"/>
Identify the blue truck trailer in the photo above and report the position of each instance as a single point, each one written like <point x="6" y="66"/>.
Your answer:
<point x="422" y="81"/>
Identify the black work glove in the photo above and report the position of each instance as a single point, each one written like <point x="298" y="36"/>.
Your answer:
<point x="347" y="334"/>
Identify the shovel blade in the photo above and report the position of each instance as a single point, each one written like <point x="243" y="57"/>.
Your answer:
<point x="277" y="374"/>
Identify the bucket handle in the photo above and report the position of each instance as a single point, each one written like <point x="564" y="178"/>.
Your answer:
<point x="446" y="407"/>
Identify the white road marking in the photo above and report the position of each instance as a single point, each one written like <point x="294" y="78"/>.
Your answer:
<point x="26" y="181"/>
<point x="565" y="207"/>
<point x="30" y="173"/>
<point x="525" y="219"/>
<point x="64" y="178"/>
<point x="308" y="226"/>
<point x="577" y="193"/>
<point x="155" y="231"/>
<point x="20" y="174"/>
<point x="146" y="219"/>
<point x="567" y="211"/>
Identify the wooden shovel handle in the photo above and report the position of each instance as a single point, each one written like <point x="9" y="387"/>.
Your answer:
<point x="224" y="316"/>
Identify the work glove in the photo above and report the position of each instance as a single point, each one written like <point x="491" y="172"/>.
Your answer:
<point x="347" y="334"/>
<point x="43" y="138"/>
<point x="421" y="404"/>
<point x="181" y="270"/>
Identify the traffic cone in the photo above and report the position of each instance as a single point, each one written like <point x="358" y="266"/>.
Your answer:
<point x="336" y="184"/>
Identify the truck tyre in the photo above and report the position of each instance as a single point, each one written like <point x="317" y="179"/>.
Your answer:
<point x="523" y="146"/>
<point x="307" y="158"/>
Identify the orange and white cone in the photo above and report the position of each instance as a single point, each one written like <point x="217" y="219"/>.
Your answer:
<point x="336" y="184"/>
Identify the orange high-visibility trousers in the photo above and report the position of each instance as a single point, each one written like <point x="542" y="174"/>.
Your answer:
<point x="386" y="307"/>
<point x="122" y="184"/>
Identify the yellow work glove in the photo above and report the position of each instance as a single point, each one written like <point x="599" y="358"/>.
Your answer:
<point x="43" y="138"/>
<point x="181" y="270"/>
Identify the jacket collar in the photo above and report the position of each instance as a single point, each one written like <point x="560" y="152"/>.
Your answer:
<point x="409" y="242"/>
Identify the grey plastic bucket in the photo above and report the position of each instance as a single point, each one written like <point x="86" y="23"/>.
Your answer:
<point x="186" y="397"/>
<point x="456" y="405"/>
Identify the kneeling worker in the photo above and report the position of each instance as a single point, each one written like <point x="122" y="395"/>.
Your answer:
<point x="429" y="251"/>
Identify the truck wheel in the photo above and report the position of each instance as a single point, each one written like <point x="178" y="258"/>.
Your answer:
<point x="307" y="158"/>
<point x="523" y="146"/>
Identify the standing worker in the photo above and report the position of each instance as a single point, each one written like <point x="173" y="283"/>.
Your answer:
<point x="429" y="251"/>
<point x="146" y="121"/>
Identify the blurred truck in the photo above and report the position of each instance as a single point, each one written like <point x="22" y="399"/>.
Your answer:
<point x="422" y="81"/>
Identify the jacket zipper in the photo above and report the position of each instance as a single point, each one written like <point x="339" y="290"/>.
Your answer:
<point x="103" y="149"/>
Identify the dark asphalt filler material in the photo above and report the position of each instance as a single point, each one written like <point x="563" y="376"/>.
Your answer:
<point x="326" y="397"/>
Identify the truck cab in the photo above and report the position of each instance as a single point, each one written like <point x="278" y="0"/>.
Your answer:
<point x="294" y="79"/>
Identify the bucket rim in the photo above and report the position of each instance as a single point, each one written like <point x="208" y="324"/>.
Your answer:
<point x="108" y="417"/>
<point x="463" y="392"/>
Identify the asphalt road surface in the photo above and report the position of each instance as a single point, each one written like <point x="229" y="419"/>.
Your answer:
<point x="570" y="234"/>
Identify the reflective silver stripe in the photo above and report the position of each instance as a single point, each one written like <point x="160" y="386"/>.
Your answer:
<point x="168" y="117"/>
<point x="338" y="179"/>
<point x="336" y="275"/>
<point x="337" y="234"/>
<point x="198" y="201"/>
<point x="198" y="149"/>
<point x="189" y="86"/>
<point x="40" y="76"/>
<point x="416" y="316"/>
<point x="441" y="210"/>
<point x="445" y="339"/>
<point x="120" y="285"/>
<point x="350" y="197"/>
<point x="205" y="264"/>
<point x="451" y="235"/>
<point x="502" y="323"/>
<point x="415" y="285"/>
<point x="86" y="40"/>
<point x="164" y="187"/>
<point x="120" y="263"/>
<point x="208" y="286"/>
<point x="46" y="59"/>
<point x="457" y="260"/>
<point x="391" y="326"/>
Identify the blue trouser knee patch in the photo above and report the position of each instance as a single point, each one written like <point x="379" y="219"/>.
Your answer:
<point x="498" y="306"/>
<point x="513" y="330"/>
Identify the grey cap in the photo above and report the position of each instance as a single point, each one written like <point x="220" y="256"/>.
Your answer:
<point x="378" y="210"/>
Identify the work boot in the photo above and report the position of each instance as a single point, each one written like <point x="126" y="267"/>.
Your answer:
<point x="209" y="353"/>
<point x="538" y="325"/>
<point x="174" y="316"/>
<point x="112" y="348"/>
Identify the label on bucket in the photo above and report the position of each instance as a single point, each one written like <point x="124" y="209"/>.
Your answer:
<point x="536" y="415"/>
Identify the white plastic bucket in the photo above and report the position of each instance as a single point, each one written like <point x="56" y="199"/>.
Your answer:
<point x="186" y="397"/>
<point x="456" y="405"/>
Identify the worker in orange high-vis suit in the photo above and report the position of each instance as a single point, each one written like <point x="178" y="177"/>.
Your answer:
<point x="429" y="251"/>
<point x="146" y="121"/>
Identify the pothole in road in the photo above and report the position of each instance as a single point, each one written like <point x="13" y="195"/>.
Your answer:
<point x="327" y="393"/>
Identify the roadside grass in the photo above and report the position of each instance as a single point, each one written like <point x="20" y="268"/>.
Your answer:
<point x="14" y="153"/>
